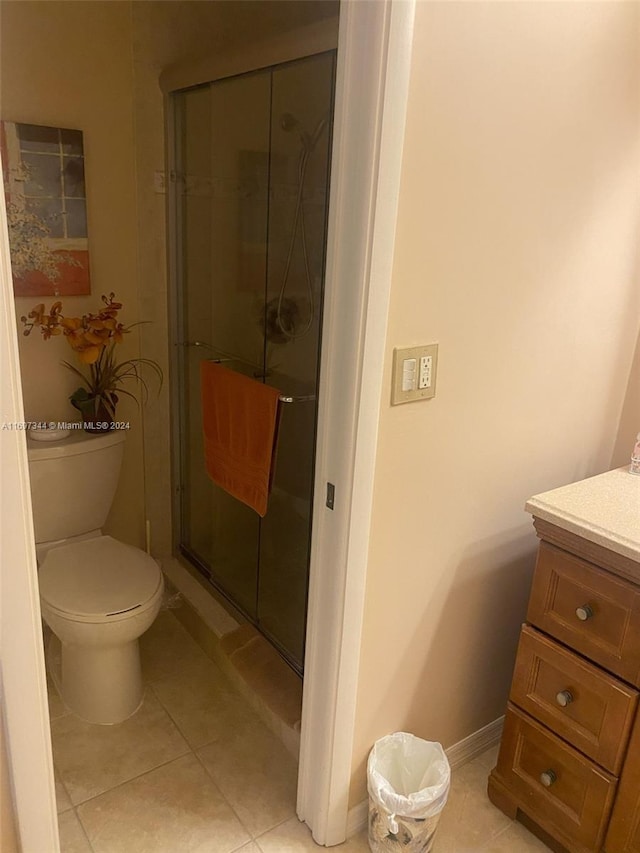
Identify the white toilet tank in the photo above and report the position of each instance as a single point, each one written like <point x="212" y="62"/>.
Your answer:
<point x="73" y="482"/>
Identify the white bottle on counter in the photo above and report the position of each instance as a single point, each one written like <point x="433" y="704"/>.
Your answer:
<point x="634" y="468"/>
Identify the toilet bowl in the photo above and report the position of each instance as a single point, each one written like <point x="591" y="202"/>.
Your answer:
<point x="97" y="595"/>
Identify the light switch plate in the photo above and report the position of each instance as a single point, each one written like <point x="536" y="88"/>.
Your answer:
<point x="400" y="355"/>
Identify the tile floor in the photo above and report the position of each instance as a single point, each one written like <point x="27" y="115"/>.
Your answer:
<point x="196" y="770"/>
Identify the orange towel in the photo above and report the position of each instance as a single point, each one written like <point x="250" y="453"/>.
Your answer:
<point x="240" y="421"/>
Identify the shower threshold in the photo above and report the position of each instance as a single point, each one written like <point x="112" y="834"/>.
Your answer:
<point x="217" y="590"/>
<point x="270" y="685"/>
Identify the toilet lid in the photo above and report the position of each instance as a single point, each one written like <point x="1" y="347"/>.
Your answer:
<point x="98" y="577"/>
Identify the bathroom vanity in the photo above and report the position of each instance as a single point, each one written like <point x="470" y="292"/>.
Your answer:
<point x="569" y="759"/>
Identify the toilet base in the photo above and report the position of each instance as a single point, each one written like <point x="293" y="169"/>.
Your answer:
<point x="99" y="684"/>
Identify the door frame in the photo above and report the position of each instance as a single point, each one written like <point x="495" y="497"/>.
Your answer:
<point x="24" y="709"/>
<point x="374" y="51"/>
<point x="372" y="85"/>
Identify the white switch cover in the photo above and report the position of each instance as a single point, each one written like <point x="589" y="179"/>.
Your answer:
<point x="409" y="374"/>
<point x="414" y="373"/>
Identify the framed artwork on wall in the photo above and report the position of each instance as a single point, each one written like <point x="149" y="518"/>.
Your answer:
<point x="43" y="176"/>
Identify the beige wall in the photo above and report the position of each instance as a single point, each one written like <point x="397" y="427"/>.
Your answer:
<point x="8" y="838"/>
<point x="69" y="64"/>
<point x="630" y="418"/>
<point x="516" y="251"/>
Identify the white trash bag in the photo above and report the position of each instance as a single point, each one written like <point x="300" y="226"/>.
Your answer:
<point x="408" y="780"/>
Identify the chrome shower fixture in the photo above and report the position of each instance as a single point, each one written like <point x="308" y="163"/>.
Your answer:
<point x="288" y="122"/>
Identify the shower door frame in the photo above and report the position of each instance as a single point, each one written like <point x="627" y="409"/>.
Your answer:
<point x="179" y="348"/>
<point x="372" y="82"/>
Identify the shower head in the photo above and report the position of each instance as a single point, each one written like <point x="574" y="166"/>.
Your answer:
<point x="317" y="133"/>
<point x="288" y="122"/>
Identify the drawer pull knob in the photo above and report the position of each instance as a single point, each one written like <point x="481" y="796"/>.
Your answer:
<point x="564" y="698"/>
<point x="585" y="612"/>
<point x="548" y="778"/>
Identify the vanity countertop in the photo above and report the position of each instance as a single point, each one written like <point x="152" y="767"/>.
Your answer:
<point x="604" y="509"/>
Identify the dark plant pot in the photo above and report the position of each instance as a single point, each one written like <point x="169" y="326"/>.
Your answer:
<point x="95" y="421"/>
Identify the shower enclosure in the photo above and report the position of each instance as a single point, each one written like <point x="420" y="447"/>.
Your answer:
<point x="250" y="198"/>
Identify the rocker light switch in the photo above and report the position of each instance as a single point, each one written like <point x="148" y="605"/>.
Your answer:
<point x="409" y="374"/>
<point x="414" y="373"/>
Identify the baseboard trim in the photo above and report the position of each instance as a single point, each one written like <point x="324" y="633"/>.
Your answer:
<point x="470" y="747"/>
<point x="458" y="754"/>
<point x="358" y="818"/>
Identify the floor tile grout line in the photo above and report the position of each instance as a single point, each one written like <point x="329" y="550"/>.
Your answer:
<point x="83" y="830"/>
<point x="230" y="683"/>
<point x="146" y="773"/>
<point x="172" y="718"/>
<point x="504" y="831"/>
<point x="227" y="685"/>
<point x="182" y="733"/>
<point x="56" y="773"/>
<point x="242" y="846"/>
<point x="282" y="823"/>
<point x="253" y="837"/>
<point x="189" y="748"/>
<point x="194" y="749"/>
<point x="225" y="798"/>
<point x="201" y="652"/>
<point x="133" y="778"/>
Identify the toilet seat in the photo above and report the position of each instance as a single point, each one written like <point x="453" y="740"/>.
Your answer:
<point x="99" y="580"/>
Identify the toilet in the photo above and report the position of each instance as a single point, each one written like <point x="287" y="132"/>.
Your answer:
<point x="97" y="595"/>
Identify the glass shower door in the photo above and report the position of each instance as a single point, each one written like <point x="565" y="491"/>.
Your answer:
<point x="253" y="160"/>
<point x="225" y="144"/>
<point x="301" y="106"/>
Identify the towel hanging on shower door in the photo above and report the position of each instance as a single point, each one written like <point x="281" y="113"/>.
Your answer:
<point x="240" y="421"/>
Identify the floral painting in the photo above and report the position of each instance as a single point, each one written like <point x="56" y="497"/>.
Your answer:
<point x="44" y="185"/>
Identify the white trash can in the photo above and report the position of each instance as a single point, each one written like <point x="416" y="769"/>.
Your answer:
<point x="408" y="780"/>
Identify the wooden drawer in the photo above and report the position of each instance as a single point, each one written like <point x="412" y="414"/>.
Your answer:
<point x="578" y="701"/>
<point x="574" y="808"/>
<point x="624" y="830"/>
<point x="566" y="588"/>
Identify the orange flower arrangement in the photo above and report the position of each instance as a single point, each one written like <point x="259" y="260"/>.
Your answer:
<point x="93" y="338"/>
